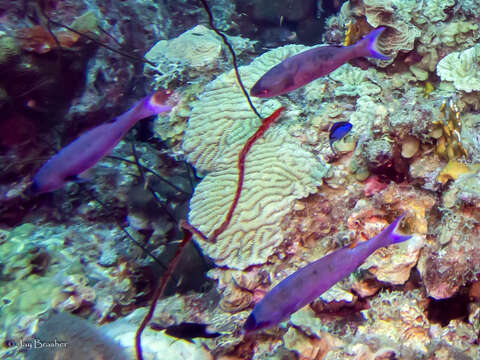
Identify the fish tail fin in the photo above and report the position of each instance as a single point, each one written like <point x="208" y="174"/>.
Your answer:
<point x="370" y="44"/>
<point x="150" y="105"/>
<point x="331" y="147"/>
<point x="390" y="235"/>
<point x="158" y="101"/>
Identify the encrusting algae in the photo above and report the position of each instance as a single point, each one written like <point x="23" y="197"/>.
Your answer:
<point x="452" y="171"/>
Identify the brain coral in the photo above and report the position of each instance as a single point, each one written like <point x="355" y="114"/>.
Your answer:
<point x="198" y="47"/>
<point x="278" y="171"/>
<point x="462" y="68"/>
<point x="196" y="51"/>
<point x="222" y="116"/>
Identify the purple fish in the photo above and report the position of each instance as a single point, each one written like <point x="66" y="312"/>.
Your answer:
<point x="84" y="152"/>
<point x="308" y="283"/>
<point x="301" y="69"/>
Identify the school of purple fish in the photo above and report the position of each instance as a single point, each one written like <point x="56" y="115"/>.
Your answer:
<point x="309" y="282"/>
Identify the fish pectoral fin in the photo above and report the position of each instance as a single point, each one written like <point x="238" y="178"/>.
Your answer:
<point x="77" y="179"/>
<point x="86" y="175"/>
<point x="72" y="178"/>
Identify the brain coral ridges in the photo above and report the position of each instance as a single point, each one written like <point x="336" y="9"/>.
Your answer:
<point x="241" y="169"/>
<point x="277" y="171"/>
<point x="222" y="116"/>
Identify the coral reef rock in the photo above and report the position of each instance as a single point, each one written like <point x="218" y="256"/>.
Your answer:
<point x="446" y="266"/>
<point x="70" y="337"/>
<point x="156" y="345"/>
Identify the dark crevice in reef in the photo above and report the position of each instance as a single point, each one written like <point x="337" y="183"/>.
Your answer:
<point x="396" y="169"/>
<point x="442" y="311"/>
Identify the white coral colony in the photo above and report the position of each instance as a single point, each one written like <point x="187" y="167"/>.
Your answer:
<point x="462" y="68"/>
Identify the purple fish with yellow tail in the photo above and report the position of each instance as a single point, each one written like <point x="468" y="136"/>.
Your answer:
<point x="301" y="69"/>
<point x="308" y="283"/>
<point x="84" y="152"/>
